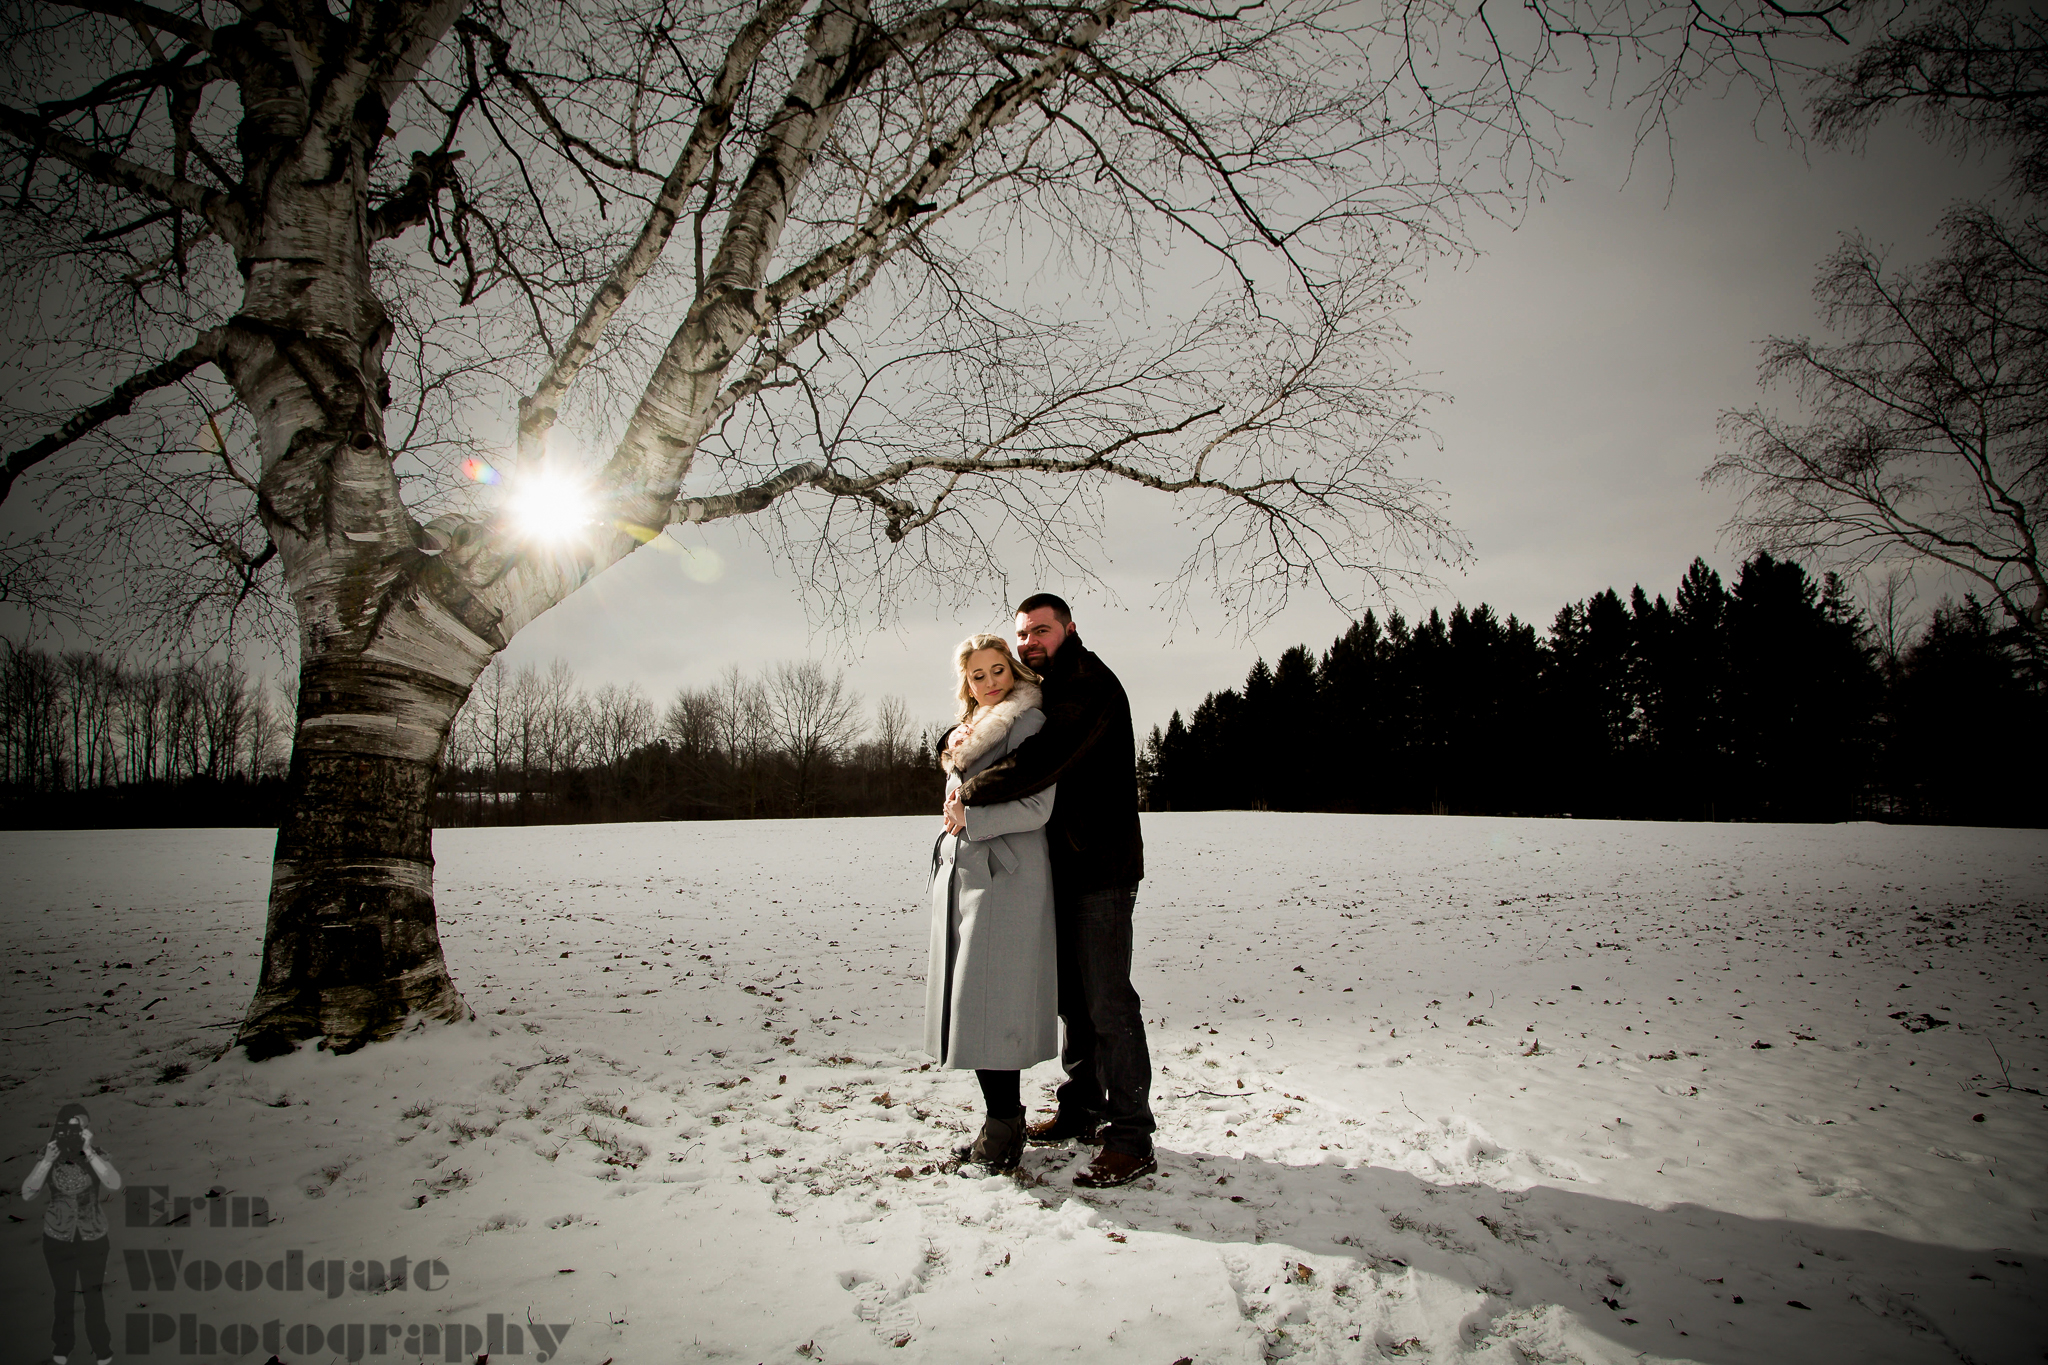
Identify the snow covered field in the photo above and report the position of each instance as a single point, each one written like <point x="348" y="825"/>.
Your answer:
<point x="1428" y="1089"/>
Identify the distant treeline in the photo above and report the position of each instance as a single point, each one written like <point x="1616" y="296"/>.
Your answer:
<point x="85" y="741"/>
<point x="530" y="748"/>
<point x="1777" y="700"/>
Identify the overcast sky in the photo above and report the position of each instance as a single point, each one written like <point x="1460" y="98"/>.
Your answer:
<point x="1585" y="358"/>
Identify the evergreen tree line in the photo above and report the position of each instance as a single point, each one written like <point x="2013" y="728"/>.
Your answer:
<point x="530" y="747"/>
<point x="1777" y="699"/>
<point x="88" y="740"/>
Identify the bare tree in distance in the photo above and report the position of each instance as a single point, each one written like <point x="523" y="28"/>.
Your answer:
<point x="897" y="747"/>
<point x="482" y="740"/>
<point x="740" y="705"/>
<point x="689" y="726"/>
<point x="1891" y="616"/>
<point x="1921" y="431"/>
<point x="278" y="264"/>
<point x="560" y="722"/>
<point x="811" y="717"/>
<point x="895" y="736"/>
<point x="621" y="720"/>
<point x="82" y="721"/>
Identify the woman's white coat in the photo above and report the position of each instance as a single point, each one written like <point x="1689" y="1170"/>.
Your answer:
<point x="992" y="986"/>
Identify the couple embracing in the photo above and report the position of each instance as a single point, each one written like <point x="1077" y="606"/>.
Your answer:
<point x="1033" y="883"/>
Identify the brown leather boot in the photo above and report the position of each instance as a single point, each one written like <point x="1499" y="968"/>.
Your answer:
<point x="1110" y="1169"/>
<point x="1062" y="1127"/>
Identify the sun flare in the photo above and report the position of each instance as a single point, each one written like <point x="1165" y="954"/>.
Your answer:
<point x="549" y="505"/>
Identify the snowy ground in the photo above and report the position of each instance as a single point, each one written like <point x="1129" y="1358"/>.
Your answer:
<point x="1428" y="1089"/>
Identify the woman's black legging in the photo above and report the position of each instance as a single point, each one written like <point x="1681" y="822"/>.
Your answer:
<point x="79" y="1268"/>
<point x="1001" y="1093"/>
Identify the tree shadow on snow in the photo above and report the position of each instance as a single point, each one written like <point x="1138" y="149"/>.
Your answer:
<point x="1381" y="1256"/>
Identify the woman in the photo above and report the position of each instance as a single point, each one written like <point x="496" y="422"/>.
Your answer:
<point x="81" y="1180"/>
<point x="992" y="990"/>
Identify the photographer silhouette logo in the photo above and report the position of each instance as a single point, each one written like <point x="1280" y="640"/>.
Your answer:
<point x="79" y="1179"/>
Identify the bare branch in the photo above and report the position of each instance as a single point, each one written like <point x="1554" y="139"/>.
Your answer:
<point x="654" y="453"/>
<point x="1966" y="70"/>
<point x="130" y="84"/>
<point x="569" y="143"/>
<point x="537" y="409"/>
<point x="216" y="207"/>
<point x="148" y="16"/>
<point x="409" y="207"/>
<point x="116" y="404"/>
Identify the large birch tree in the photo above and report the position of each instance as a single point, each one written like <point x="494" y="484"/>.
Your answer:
<point x="907" y="281"/>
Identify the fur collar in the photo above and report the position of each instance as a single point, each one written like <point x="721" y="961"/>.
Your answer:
<point x="989" y="727"/>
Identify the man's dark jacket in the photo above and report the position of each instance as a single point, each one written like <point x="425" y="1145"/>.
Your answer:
<point x="1088" y="748"/>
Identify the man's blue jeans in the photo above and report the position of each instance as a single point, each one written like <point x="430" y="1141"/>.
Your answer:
<point x="1109" y="1070"/>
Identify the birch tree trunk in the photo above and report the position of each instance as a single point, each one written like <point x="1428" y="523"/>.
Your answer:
<point x="351" y="949"/>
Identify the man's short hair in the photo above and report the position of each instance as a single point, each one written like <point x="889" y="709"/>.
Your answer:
<point x="1060" y="611"/>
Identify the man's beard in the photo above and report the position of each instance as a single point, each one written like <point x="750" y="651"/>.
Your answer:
<point x="1035" y="655"/>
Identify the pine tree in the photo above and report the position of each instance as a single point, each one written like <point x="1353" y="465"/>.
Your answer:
<point x="1254" y="740"/>
<point x="1590" y="714"/>
<point x="1969" y="724"/>
<point x="1426" y="674"/>
<point x="1352" y="689"/>
<point x="1148" y="769"/>
<point x="1295" y="764"/>
<point x="1762" y="703"/>
<point x="1694" y="734"/>
<point x="1653" y="629"/>
<point x="1803" y="684"/>
<point x="1171" y="769"/>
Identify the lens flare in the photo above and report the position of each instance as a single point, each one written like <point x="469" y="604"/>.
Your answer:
<point x="549" y="505"/>
<point x="702" y="564"/>
<point x="477" y="471"/>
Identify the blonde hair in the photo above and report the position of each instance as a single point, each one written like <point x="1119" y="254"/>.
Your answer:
<point x="972" y="646"/>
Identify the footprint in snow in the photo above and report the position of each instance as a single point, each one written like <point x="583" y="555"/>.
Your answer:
<point x="886" y="1309"/>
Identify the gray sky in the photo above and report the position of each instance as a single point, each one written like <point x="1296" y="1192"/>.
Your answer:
<point x="1585" y="358"/>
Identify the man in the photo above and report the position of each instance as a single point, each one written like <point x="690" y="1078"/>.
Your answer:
<point x="1098" y="857"/>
